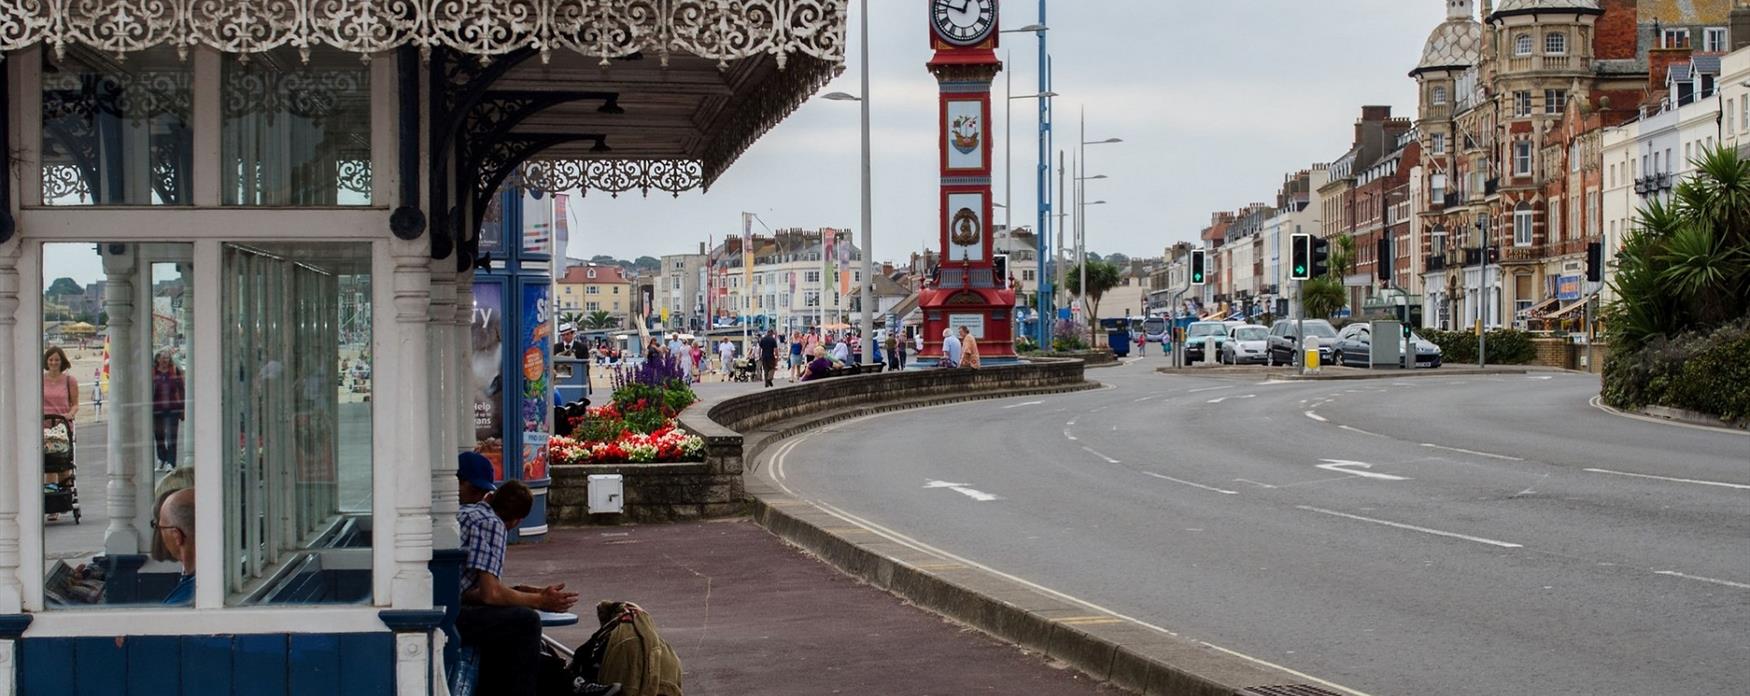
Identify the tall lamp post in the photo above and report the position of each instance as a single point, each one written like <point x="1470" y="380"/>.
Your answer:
<point x="867" y="323"/>
<point x="1042" y="240"/>
<point x="1081" y="197"/>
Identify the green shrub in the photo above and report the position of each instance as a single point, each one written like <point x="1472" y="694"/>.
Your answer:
<point x="1506" y="346"/>
<point x="1064" y="344"/>
<point x="1025" y="345"/>
<point x="1706" y="371"/>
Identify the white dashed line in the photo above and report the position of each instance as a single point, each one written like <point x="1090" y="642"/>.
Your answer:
<point x="1698" y="578"/>
<point x="1204" y="389"/>
<point x="1698" y="482"/>
<point x="1255" y="483"/>
<point x="1317" y="417"/>
<point x="1362" y="432"/>
<point x="1092" y="451"/>
<point x="1413" y="528"/>
<point x="1466" y="451"/>
<point x="1165" y="477"/>
<point x="1026" y="403"/>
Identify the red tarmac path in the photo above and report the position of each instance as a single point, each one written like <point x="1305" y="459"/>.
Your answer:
<point x="749" y="614"/>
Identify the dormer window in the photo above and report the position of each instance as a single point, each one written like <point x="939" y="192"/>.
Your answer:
<point x="590" y="273"/>
<point x="1713" y="40"/>
<point x="1555" y="44"/>
<point x="1674" y="38"/>
<point x="1522" y="45"/>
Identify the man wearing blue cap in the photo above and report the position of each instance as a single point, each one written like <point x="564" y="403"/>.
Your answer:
<point x="499" y="620"/>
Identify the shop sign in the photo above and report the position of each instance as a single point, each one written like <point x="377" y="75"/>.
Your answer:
<point x="1569" y="288"/>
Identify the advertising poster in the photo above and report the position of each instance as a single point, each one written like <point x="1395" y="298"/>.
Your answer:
<point x="535" y="344"/>
<point x="486" y="363"/>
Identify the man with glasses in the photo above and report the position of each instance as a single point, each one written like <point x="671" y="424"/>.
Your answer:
<point x="175" y="528"/>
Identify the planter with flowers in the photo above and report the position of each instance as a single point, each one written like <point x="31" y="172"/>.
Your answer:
<point x="638" y="426"/>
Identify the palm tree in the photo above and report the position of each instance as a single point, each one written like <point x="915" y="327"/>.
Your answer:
<point x="1323" y="296"/>
<point x="1686" y="265"/>
<point x="601" y="319"/>
<point x="1102" y="277"/>
<point x="572" y="318"/>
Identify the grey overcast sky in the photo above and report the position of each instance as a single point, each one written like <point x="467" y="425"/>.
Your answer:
<point x="1215" y="102"/>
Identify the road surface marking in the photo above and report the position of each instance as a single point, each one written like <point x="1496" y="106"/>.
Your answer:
<point x="1698" y="482"/>
<point x="1066" y="434"/>
<point x="1027" y="403"/>
<point x="1362" y="432"/>
<point x="1204" y="389"/>
<point x="1220" y="399"/>
<point x="1148" y="398"/>
<point x="962" y="489"/>
<point x="1091" y="451"/>
<point x="1466" y="451"/>
<point x="1339" y="465"/>
<point x="1540" y="377"/>
<point x="1317" y="417"/>
<point x="1413" y="528"/>
<point x="1727" y="583"/>
<point x="1090" y="620"/>
<point x="1165" y="477"/>
<point x="904" y="540"/>
<point x="1255" y="483"/>
<point x="1072" y="421"/>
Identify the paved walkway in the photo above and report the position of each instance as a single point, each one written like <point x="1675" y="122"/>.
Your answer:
<point x="749" y="614"/>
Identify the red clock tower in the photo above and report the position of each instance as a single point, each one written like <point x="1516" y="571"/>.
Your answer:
<point x="967" y="289"/>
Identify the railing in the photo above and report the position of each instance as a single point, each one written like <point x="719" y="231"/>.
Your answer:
<point x="1473" y="256"/>
<point x="1530" y="63"/>
<point x="1556" y="63"/>
<point x="1642" y="187"/>
<point x="1522" y="64"/>
<point x="1665" y="181"/>
<point x="1438" y="112"/>
<point x="1434" y="262"/>
<point x="1490" y="185"/>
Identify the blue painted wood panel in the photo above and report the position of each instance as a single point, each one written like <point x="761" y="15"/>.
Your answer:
<point x="260" y="664"/>
<point x="154" y="665"/>
<point x="217" y="665"/>
<point x="103" y="666"/>
<point x="45" y="667"/>
<point x="314" y="665"/>
<point x="367" y="663"/>
<point x="206" y="665"/>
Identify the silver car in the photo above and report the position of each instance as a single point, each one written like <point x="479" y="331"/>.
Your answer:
<point x="1246" y="343"/>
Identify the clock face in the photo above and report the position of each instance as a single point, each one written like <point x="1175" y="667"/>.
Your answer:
<point x="963" y="22"/>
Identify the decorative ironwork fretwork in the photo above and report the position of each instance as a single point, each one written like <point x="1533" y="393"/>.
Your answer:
<point x="65" y="181"/>
<point x="354" y="175"/>
<point x="317" y="95"/>
<point x="613" y="176"/>
<point x="605" y="29"/>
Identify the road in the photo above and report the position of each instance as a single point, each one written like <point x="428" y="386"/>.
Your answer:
<point x="1426" y="535"/>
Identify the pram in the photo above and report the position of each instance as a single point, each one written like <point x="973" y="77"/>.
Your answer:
<point x="58" y="458"/>
<point x="744" y="370"/>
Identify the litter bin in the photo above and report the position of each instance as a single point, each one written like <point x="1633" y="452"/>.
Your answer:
<point x="1119" y="340"/>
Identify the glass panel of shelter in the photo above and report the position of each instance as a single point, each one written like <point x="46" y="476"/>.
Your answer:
<point x="297" y="465"/>
<point x="114" y="132"/>
<point x="296" y="132"/>
<point x="116" y="320"/>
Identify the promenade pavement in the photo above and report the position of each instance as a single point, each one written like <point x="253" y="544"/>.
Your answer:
<point x="749" y="614"/>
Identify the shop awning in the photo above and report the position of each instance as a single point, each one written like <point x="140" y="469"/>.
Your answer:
<point x="1576" y="305"/>
<point x="1534" y="309"/>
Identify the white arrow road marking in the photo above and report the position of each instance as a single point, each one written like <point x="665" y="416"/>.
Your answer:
<point x="1339" y="464"/>
<point x="1465" y="451"/>
<point x="1413" y="528"/>
<point x="1026" y="403"/>
<point x="1315" y="416"/>
<point x="1165" y="477"/>
<point x="1727" y="583"/>
<point x="962" y="489"/>
<point x="1225" y="398"/>
<point x="1721" y="484"/>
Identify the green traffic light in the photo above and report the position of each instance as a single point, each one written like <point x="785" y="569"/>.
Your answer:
<point x="1300" y="270"/>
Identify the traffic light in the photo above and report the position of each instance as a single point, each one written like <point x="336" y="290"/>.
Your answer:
<point x="1382" y="263"/>
<point x="1300" y="254"/>
<point x="1595" y="262"/>
<point x="1321" y="257"/>
<point x="1196" y="266"/>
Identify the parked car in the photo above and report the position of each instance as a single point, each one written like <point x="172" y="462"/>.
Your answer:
<point x="1319" y="334"/>
<point x="1355" y="347"/>
<point x="1198" y="332"/>
<point x="1246" y="343"/>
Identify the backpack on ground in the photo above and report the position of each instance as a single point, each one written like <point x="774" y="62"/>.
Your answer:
<point x="628" y="650"/>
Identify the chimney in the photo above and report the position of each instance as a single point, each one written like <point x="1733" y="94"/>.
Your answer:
<point x="1740" y="24"/>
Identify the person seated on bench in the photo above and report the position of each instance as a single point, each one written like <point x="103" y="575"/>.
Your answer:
<point x="499" y="621"/>
<point x="175" y="527"/>
<point x="820" y="367"/>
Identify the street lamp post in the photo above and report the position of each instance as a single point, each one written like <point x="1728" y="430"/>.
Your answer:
<point x="1081" y="198"/>
<point x="866" y="324"/>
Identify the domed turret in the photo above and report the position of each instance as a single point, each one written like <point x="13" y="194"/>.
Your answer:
<point x="1456" y="43"/>
<point x="1513" y="7"/>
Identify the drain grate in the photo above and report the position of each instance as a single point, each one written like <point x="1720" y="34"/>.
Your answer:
<point x="1288" y="690"/>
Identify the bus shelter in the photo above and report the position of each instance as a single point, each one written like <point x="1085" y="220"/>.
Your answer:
<point x="271" y="212"/>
